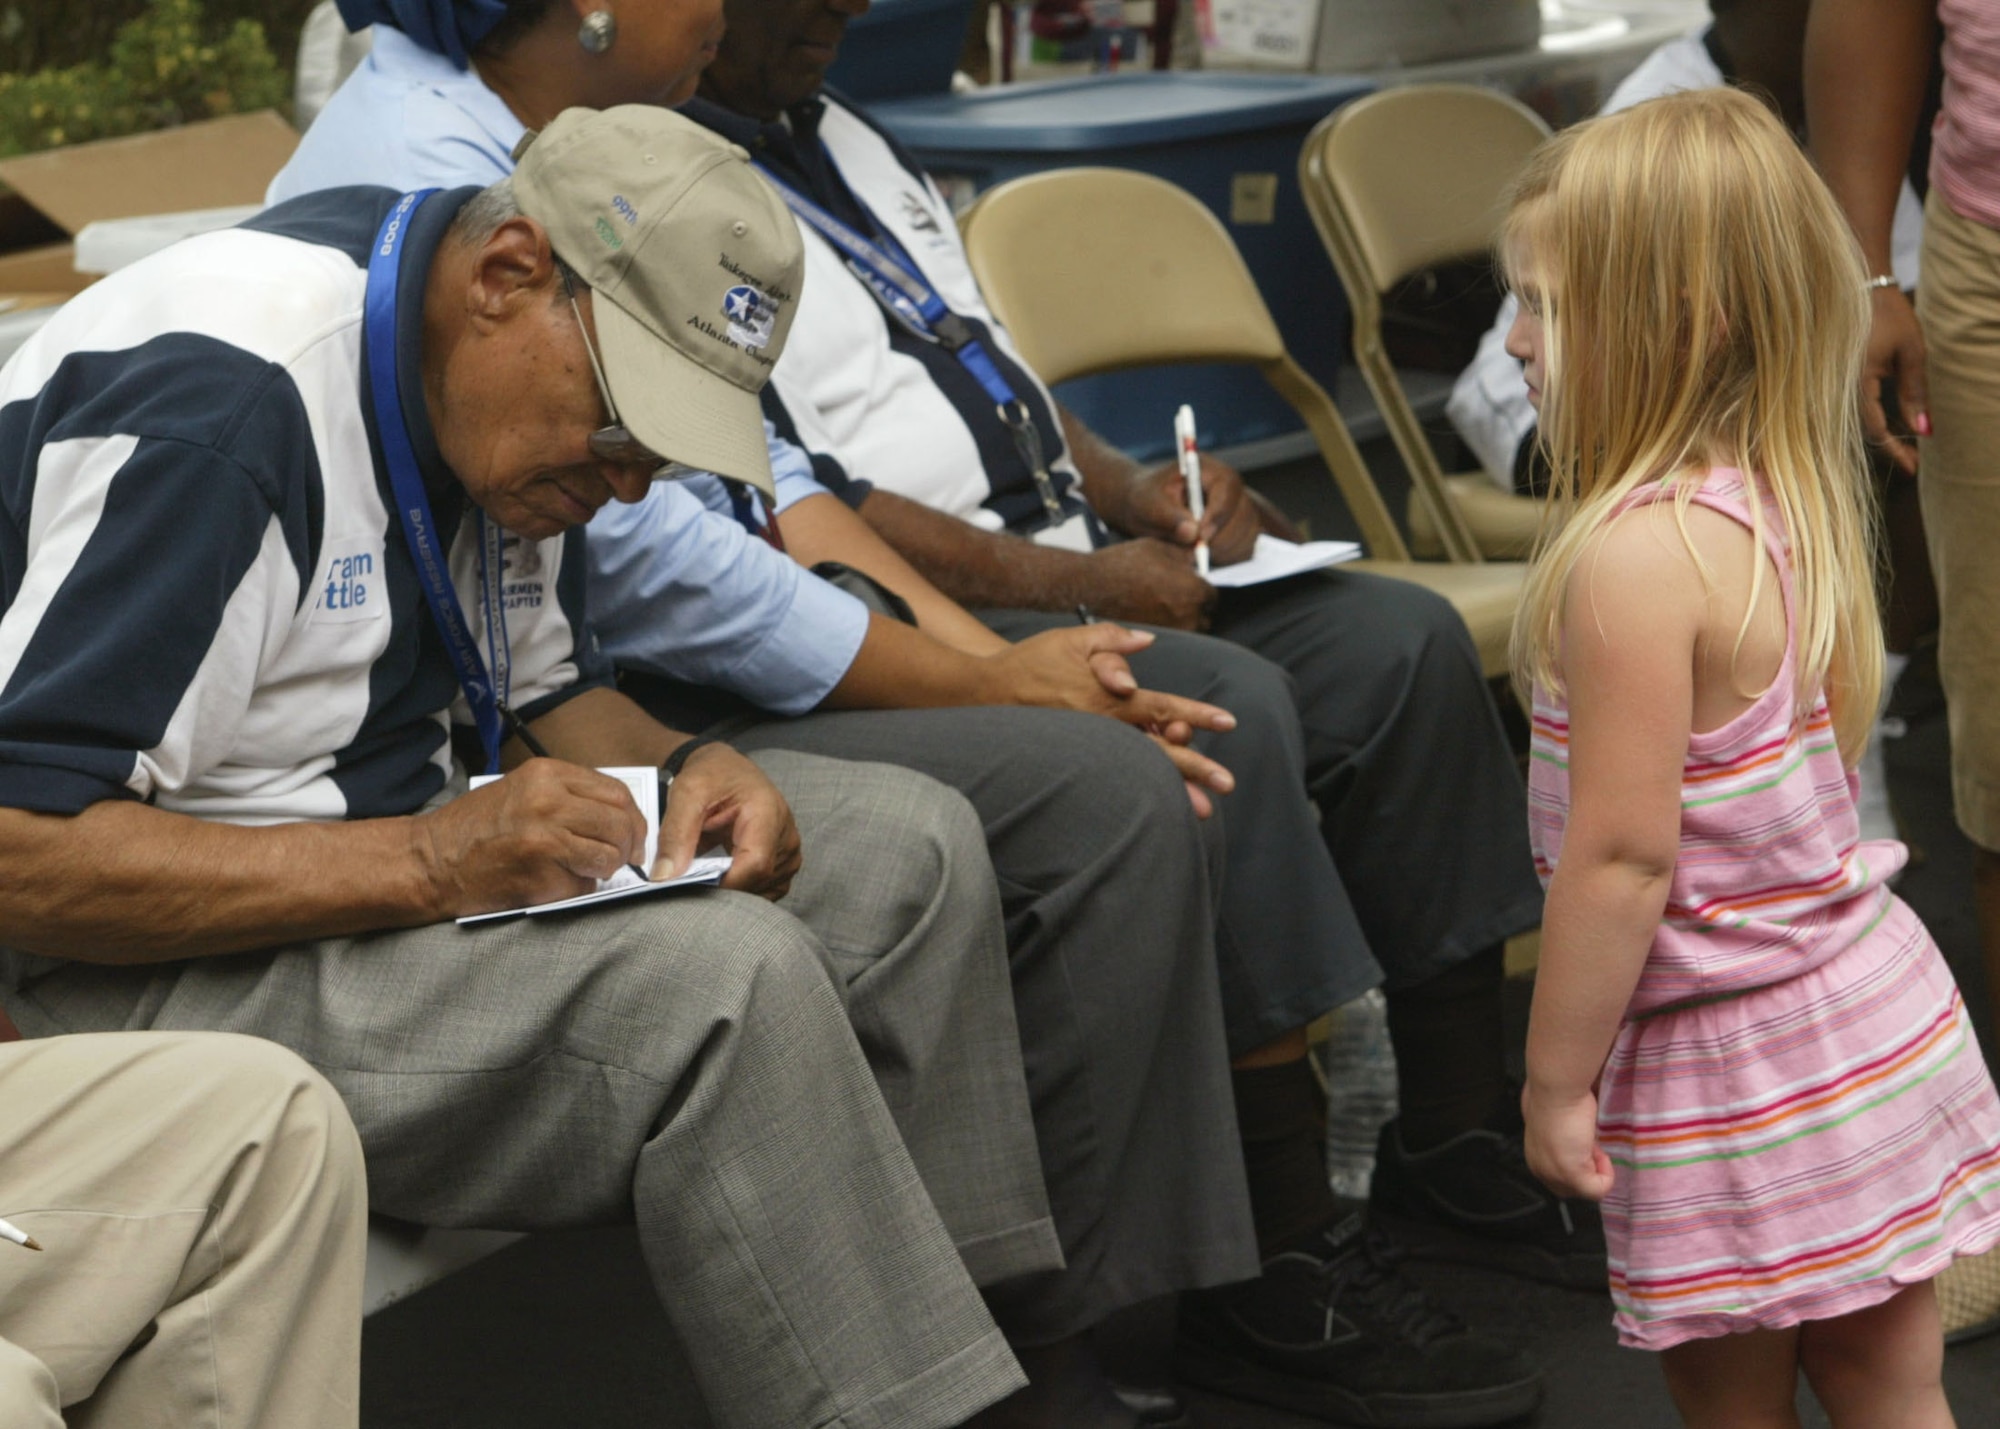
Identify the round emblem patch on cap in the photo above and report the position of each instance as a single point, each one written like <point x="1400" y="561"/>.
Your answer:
<point x="751" y="316"/>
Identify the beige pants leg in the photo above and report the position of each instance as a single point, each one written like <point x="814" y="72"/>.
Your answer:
<point x="202" y="1209"/>
<point x="1958" y="303"/>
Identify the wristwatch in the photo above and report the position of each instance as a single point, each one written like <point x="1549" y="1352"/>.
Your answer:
<point x="670" y="767"/>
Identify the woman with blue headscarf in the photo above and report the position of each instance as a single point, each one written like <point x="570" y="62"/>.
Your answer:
<point x="450" y="86"/>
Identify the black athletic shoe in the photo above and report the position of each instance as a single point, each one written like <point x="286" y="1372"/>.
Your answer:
<point x="1474" y="1200"/>
<point x="1337" y="1333"/>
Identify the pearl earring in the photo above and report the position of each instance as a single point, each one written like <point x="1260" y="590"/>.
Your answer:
<point x="597" y="32"/>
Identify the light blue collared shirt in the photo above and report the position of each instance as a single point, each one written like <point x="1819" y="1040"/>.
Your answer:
<point x="677" y="587"/>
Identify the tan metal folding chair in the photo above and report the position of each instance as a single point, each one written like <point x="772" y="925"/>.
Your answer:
<point x="1398" y="182"/>
<point x="1095" y="270"/>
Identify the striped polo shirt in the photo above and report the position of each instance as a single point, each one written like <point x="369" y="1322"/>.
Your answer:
<point x="205" y="597"/>
<point x="872" y="402"/>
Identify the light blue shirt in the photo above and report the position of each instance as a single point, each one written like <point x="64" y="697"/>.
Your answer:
<point x="677" y="587"/>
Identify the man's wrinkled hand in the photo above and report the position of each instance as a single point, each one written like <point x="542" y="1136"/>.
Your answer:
<point x="1896" y="360"/>
<point x="549" y="830"/>
<point x="1085" y="669"/>
<point x="721" y="799"/>
<point x="1151" y="582"/>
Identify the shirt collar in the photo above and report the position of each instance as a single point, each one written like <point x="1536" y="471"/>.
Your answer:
<point x="790" y="146"/>
<point x="781" y="139"/>
<point x="396" y="55"/>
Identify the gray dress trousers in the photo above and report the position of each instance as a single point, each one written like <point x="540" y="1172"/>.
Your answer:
<point x="687" y="1062"/>
<point x="1106" y="883"/>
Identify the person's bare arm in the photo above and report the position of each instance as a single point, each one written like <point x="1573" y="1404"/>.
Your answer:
<point x="1865" y="66"/>
<point x="1143" y="580"/>
<point x="124" y="882"/>
<point x="825" y="528"/>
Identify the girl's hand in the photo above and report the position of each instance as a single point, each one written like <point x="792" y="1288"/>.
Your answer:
<point x="1562" y="1147"/>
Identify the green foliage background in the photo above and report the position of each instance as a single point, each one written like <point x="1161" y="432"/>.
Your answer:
<point x="55" y="34"/>
<point x="71" y="72"/>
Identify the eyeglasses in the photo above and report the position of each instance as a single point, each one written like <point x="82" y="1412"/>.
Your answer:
<point x="615" y="443"/>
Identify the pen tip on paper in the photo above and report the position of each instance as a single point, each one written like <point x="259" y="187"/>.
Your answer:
<point x="32" y="1244"/>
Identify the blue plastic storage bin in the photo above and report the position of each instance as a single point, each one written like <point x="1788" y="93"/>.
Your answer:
<point x="1230" y="139"/>
<point x="901" y="47"/>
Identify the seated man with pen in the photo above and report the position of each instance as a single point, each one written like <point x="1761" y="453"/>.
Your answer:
<point x="1376" y="826"/>
<point x="230" y="801"/>
<point x="713" y="629"/>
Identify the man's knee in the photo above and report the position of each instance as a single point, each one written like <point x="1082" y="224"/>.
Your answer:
<point x="892" y="858"/>
<point x="268" y="1093"/>
<point x="1100" y="772"/>
<point x="1261" y="694"/>
<point x="857" y="804"/>
<point x="716" y="960"/>
<point x="1408" y="627"/>
<point x="248" y="1074"/>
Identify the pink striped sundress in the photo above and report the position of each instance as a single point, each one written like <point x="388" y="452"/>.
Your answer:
<point x="1795" y="1107"/>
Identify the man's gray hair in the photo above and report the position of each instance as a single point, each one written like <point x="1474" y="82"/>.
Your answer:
<point x="488" y="209"/>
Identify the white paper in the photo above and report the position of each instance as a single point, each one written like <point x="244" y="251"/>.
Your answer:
<point x="700" y="871"/>
<point x="1272" y="560"/>
<point x="644" y="783"/>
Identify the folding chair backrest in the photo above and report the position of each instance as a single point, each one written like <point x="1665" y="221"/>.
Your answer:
<point x="1110" y="268"/>
<point x="1398" y="182"/>
<point x="1093" y="270"/>
<point x="1421" y="173"/>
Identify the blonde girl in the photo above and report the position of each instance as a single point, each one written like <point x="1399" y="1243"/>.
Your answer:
<point x="1742" y="1042"/>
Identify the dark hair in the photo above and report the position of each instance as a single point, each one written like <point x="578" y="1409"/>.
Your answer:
<point x="521" y="17"/>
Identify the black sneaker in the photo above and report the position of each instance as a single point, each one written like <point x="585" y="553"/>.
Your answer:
<point x="1337" y="1333"/>
<point x="1474" y="1200"/>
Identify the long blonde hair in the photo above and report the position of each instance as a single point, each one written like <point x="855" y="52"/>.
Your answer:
<point x="1703" y="301"/>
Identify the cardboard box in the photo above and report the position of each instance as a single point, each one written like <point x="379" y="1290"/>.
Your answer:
<point x="211" y="164"/>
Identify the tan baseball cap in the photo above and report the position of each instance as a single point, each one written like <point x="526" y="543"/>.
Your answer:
<point x="695" y="264"/>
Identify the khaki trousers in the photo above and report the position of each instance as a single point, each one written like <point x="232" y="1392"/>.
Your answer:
<point x="1958" y="303"/>
<point x="200" y="1202"/>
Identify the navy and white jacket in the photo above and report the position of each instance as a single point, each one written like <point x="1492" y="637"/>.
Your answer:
<point x="871" y="402"/>
<point x="205" y="597"/>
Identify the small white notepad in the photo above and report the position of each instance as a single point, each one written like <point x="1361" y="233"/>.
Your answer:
<point x="1272" y="560"/>
<point x="644" y="782"/>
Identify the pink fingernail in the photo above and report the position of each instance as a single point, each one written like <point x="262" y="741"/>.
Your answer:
<point x="1923" y="424"/>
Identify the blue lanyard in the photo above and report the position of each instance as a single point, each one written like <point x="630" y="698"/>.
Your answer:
<point x="887" y="270"/>
<point x="487" y="697"/>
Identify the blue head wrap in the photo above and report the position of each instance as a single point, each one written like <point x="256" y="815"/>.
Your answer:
<point x="444" y="27"/>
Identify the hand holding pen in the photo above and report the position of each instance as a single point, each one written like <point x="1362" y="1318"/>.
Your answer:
<point x="1190" y="463"/>
<point x="519" y="730"/>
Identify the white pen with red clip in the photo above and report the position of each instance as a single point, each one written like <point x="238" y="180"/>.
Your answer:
<point x="1190" y="460"/>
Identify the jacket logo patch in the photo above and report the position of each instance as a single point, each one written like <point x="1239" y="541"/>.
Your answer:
<point x="918" y="217"/>
<point x="351" y="585"/>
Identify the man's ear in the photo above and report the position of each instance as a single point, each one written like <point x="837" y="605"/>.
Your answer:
<point x="513" y="269"/>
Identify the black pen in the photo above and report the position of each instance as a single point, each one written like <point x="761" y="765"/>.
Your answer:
<point x="513" y="725"/>
<point x="1083" y="615"/>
